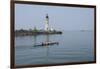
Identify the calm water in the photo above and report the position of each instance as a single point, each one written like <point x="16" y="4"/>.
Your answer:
<point x="73" y="47"/>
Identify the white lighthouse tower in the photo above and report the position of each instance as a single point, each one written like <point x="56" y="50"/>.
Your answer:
<point x="47" y="23"/>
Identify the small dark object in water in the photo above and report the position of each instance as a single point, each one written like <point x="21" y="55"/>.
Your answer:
<point x="47" y="43"/>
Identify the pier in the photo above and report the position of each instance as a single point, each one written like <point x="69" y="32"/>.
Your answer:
<point x="32" y="33"/>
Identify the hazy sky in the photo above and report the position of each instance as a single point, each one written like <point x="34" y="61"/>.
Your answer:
<point x="60" y="18"/>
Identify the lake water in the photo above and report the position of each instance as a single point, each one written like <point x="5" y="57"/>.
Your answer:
<point x="74" y="46"/>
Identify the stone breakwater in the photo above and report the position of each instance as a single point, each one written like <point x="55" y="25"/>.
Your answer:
<point x="30" y="33"/>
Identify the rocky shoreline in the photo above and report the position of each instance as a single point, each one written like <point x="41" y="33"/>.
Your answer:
<point x="31" y="32"/>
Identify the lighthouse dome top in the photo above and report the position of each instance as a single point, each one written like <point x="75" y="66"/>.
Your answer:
<point x="47" y="16"/>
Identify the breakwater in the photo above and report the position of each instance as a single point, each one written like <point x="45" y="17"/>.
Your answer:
<point x="31" y="32"/>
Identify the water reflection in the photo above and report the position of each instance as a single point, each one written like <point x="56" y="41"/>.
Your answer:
<point x="35" y="39"/>
<point x="45" y="44"/>
<point x="71" y="48"/>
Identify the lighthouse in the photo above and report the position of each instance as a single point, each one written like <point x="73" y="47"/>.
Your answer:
<point x="47" y="23"/>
